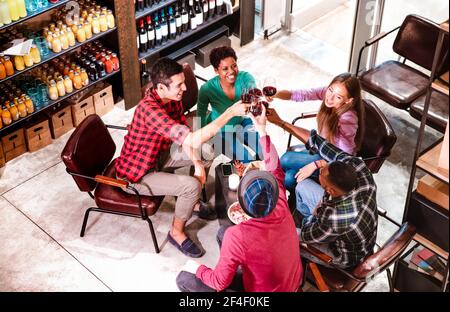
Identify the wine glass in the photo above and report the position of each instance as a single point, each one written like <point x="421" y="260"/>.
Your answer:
<point x="269" y="87"/>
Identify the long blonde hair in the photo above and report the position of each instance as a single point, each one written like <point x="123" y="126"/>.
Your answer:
<point x="328" y="118"/>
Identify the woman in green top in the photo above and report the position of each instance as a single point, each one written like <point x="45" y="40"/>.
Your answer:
<point x="222" y="92"/>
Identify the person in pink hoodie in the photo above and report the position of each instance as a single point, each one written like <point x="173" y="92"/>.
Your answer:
<point x="261" y="254"/>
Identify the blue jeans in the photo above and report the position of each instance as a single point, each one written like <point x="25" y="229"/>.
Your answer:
<point x="308" y="194"/>
<point x="235" y="141"/>
<point x="291" y="162"/>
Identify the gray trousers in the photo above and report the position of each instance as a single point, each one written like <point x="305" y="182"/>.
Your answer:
<point x="164" y="181"/>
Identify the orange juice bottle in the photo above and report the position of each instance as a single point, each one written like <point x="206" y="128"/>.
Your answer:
<point x="8" y="66"/>
<point x="6" y="116"/>
<point x="22" y="109"/>
<point x="29" y="104"/>
<point x="2" y="71"/>
<point x="14" y="112"/>
<point x="35" y="55"/>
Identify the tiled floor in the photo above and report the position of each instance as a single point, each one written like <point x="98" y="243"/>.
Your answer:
<point x="42" y="209"/>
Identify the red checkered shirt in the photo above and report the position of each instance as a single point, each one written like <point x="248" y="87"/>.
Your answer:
<point x="154" y="127"/>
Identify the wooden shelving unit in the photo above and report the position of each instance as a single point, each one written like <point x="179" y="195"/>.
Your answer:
<point x="29" y="118"/>
<point x="430" y="219"/>
<point x="429" y="163"/>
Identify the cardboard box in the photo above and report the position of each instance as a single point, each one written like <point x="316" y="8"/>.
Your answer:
<point x="82" y="109"/>
<point x="103" y="100"/>
<point x="60" y="121"/>
<point x="203" y="53"/>
<point x="38" y="136"/>
<point x="189" y="58"/>
<point x="434" y="190"/>
<point x="14" y="145"/>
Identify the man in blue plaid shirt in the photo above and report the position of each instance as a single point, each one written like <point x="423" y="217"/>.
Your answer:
<point x="345" y="220"/>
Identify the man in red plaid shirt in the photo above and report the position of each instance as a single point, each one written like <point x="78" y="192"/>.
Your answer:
<point x="148" y="157"/>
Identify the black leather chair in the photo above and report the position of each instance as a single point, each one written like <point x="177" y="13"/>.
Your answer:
<point x="378" y="140"/>
<point x="398" y="83"/>
<point x="87" y="156"/>
<point x="355" y="279"/>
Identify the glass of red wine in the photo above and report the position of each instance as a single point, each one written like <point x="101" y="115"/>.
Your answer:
<point x="270" y="87"/>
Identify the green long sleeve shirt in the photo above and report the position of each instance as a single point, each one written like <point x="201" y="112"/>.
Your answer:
<point x="212" y="93"/>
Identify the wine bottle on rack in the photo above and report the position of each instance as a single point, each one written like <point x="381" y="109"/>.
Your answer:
<point x="192" y="15"/>
<point x="212" y="8"/>
<point x="164" y="26"/>
<point x="158" y="32"/>
<point x="145" y="76"/>
<point x="143" y="39"/>
<point x="148" y="3"/>
<point x="150" y="33"/>
<point x="184" y="17"/>
<point x="205" y="10"/>
<point x="140" y="5"/>
<point x="172" y="24"/>
<point x="178" y="20"/>
<point x="198" y="12"/>
<point x="220" y="7"/>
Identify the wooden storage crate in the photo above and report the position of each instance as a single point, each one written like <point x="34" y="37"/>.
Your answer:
<point x="38" y="136"/>
<point x="433" y="190"/>
<point x="60" y="121"/>
<point x="103" y="100"/>
<point x="14" y="145"/>
<point x="82" y="109"/>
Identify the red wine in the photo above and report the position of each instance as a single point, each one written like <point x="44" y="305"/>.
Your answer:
<point x="255" y="91"/>
<point x="269" y="91"/>
<point x="262" y="102"/>
<point x="256" y="109"/>
<point x="246" y="98"/>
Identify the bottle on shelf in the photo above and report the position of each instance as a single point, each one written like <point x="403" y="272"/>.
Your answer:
<point x="178" y="20"/>
<point x="205" y="10"/>
<point x="143" y="38"/>
<point x="198" y="12"/>
<point x="145" y="76"/>
<point x="192" y="15"/>
<point x="21" y="8"/>
<point x="158" y="31"/>
<point x="13" y="10"/>
<point x="172" y="24"/>
<point x="164" y="26"/>
<point x="150" y="33"/>
<point x="5" y="17"/>
<point x="220" y="7"/>
<point x="184" y="18"/>
<point x="212" y="8"/>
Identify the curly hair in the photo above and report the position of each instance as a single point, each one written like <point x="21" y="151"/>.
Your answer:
<point x="220" y="53"/>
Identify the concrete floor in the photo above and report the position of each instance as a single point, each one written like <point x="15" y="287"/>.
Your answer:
<point x="42" y="209"/>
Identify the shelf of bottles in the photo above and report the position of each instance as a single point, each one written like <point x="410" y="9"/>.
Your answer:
<point x="53" y="55"/>
<point x="54" y="102"/>
<point x="65" y="33"/>
<point x="52" y="83"/>
<point x="176" y="22"/>
<point x="32" y="9"/>
<point x="146" y="7"/>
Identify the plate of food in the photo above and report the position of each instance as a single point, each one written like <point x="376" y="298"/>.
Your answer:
<point x="236" y="214"/>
